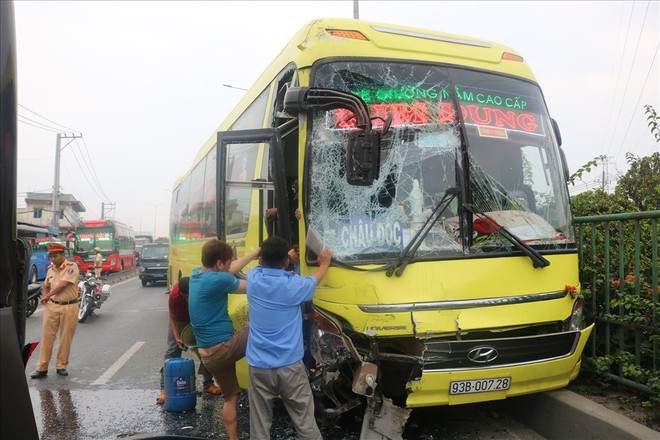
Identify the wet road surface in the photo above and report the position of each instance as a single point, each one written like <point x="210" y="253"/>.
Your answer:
<point x="111" y="414"/>
<point x="134" y="320"/>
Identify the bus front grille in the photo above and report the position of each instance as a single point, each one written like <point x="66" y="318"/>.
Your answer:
<point x="443" y="355"/>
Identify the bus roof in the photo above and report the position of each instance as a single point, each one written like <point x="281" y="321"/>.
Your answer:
<point x="100" y="223"/>
<point x="314" y="41"/>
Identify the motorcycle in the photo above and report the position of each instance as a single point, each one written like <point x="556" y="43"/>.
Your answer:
<point x="35" y="291"/>
<point x="90" y="296"/>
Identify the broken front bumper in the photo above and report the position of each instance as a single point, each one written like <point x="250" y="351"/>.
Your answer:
<point x="432" y="388"/>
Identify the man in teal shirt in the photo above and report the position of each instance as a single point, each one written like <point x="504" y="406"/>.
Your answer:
<point x="218" y="345"/>
<point x="275" y="343"/>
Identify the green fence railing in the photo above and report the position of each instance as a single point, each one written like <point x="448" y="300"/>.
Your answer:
<point x="619" y="279"/>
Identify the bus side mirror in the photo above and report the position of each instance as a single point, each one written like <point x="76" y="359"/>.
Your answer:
<point x="555" y="128"/>
<point x="363" y="148"/>
<point x="363" y="158"/>
<point x="564" y="164"/>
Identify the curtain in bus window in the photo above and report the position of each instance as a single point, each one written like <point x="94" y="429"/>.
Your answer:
<point x="173" y="215"/>
<point x="181" y="211"/>
<point x="419" y="159"/>
<point x="193" y="224"/>
<point x="209" y="220"/>
<point x="241" y="164"/>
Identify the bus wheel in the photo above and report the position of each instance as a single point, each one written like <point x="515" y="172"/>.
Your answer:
<point x="33" y="275"/>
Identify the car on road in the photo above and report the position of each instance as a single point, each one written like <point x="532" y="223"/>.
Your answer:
<point x="153" y="263"/>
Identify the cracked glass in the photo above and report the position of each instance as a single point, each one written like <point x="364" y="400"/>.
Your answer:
<point x="512" y="171"/>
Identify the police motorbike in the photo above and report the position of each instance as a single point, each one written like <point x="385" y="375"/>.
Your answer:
<point x="35" y="290"/>
<point x="90" y="296"/>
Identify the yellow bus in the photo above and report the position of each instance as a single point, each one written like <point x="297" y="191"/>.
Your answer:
<point x="429" y="164"/>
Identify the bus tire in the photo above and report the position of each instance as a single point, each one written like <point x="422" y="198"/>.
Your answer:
<point x="33" y="275"/>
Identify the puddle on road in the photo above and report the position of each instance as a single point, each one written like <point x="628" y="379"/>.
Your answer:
<point x="124" y="414"/>
<point x="111" y="414"/>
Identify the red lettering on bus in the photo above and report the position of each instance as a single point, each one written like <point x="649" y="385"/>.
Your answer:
<point x="502" y="119"/>
<point x="418" y="113"/>
<point x="527" y="122"/>
<point x="447" y="114"/>
<point x="473" y="114"/>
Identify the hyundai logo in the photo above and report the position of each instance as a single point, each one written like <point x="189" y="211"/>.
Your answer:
<point x="482" y="355"/>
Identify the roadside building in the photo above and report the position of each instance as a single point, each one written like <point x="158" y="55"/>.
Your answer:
<point x="38" y="210"/>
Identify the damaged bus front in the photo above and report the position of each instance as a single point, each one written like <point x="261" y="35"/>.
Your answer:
<point x="442" y="193"/>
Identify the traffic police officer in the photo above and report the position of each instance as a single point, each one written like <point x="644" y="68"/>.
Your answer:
<point x="60" y="302"/>
<point x="98" y="263"/>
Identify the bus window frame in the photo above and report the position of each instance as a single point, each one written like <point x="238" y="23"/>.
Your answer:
<point x="272" y="138"/>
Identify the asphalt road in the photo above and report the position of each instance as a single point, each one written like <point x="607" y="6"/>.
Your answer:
<point x="114" y="379"/>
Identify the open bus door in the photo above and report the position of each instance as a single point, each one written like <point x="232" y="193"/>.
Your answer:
<point x="232" y="183"/>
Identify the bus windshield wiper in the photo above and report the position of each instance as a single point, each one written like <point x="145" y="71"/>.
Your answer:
<point x="406" y="255"/>
<point x="537" y="259"/>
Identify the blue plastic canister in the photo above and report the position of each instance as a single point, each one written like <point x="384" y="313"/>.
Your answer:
<point x="180" y="388"/>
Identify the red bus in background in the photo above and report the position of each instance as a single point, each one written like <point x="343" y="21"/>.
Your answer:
<point x="115" y="239"/>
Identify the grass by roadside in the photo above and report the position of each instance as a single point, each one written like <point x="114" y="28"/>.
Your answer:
<point x="626" y="401"/>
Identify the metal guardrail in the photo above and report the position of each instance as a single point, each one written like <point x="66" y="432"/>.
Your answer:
<point x="619" y="278"/>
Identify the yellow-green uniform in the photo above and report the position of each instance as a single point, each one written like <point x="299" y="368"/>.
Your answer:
<point x="60" y="313"/>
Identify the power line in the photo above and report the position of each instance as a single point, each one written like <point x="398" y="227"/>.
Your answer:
<point x="87" y="159"/>
<point x="613" y="93"/>
<point x="639" y="99"/>
<point x="632" y="64"/>
<point x="616" y="88"/>
<point x="56" y="123"/>
<point x="85" y="176"/>
<point x="91" y="162"/>
<point x="87" y="164"/>
<point x="47" y="127"/>
<point x="36" y="126"/>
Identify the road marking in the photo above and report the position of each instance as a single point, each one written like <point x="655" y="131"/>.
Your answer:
<point x="107" y="375"/>
<point x="123" y="282"/>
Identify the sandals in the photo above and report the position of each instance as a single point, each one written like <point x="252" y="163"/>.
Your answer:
<point x="212" y="389"/>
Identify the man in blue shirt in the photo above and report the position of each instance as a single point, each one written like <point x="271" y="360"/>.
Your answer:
<point x="275" y="343"/>
<point x="218" y="345"/>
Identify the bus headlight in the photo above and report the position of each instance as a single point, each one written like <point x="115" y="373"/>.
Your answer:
<point x="573" y="323"/>
<point x="328" y="345"/>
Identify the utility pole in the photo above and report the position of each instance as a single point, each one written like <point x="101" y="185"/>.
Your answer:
<point x="155" y="205"/>
<point x="356" y="9"/>
<point x="107" y="207"/>
<point x="54" y="227"/>
<point x="605" y="179"/>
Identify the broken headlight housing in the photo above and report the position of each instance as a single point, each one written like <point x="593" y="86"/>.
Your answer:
<point x="328" y="344"/>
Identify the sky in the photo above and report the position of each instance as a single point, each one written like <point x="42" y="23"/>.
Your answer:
<point x="143" y="82"/>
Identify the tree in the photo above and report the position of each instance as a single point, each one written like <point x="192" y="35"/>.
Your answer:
<point x="598" y="202"/>
<point x="653" y="121"/>
<point x="641" y="183"/>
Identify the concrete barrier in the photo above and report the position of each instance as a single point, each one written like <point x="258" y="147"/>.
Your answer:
<point x="563" y="414"/>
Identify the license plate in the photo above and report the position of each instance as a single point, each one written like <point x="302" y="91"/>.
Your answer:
<point x="479" y="385"/>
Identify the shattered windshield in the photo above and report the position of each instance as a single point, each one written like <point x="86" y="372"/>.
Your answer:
<point x="512" y="172"/>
